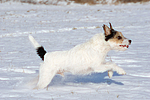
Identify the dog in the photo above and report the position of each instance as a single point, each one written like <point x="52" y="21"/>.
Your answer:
<point x="84" y="58"/>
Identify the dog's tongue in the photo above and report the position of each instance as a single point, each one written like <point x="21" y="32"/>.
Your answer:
<point x="127" y="46"/>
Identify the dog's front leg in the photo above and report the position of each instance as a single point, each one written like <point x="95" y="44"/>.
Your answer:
<point x="110" y="73"/>
<point x="110" y="67"/>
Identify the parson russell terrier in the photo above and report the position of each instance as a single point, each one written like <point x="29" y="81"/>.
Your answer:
<point x="84" y="58"/>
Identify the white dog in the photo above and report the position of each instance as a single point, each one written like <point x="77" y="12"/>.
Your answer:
<point x="82" y="59"/>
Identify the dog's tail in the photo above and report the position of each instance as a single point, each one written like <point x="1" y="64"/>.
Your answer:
<point x="40" y="49"/>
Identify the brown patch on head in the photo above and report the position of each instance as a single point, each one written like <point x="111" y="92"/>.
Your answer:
<point x="109" y="32"/>
<point x="117" y="38"/>
<point x="119" y="42"/>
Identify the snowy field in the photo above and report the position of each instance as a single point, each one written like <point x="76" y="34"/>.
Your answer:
<point x="61" y="28"/>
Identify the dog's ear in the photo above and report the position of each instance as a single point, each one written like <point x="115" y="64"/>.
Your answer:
<point x="106" y="30"/>
<point x="110" y="26"/>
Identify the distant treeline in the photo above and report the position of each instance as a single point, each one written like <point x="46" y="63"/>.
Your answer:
<point x="90" y="2"/>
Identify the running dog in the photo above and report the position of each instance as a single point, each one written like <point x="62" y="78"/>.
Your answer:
<point x="84" y="58"/>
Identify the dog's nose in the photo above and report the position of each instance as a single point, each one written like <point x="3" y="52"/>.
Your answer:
<point x="130" y="41"/>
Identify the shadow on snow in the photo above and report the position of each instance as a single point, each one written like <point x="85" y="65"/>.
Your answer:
<point x="84" y="79"/>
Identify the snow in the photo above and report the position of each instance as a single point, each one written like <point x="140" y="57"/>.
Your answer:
<point x="61" y="28"/>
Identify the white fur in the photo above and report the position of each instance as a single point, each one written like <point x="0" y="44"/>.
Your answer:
<point x="82" y="59"/>
<point x="34" y="42"/>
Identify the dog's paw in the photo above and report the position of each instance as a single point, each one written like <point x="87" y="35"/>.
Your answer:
<point x="121" y="72"/>
<point x="110" y="73"/>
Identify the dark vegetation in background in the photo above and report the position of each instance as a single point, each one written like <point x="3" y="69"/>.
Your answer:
<point x="133" y="1"/>
<point x="90" y="2"/>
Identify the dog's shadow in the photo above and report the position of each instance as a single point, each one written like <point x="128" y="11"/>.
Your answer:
<point x="96" y="78"/>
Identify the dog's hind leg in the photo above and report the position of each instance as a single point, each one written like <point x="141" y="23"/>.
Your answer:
<point x="46" y="74"/>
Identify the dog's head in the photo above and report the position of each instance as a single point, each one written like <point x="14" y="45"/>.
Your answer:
<point x="115" y="38"/>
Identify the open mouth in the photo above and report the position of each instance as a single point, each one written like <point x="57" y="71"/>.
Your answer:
<point x="127" y="46"/>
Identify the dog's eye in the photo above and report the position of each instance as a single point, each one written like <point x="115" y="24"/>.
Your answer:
<point x="119" y="37"/>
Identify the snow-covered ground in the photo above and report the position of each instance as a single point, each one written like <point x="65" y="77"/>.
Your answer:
<point x="61" y="28"/>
